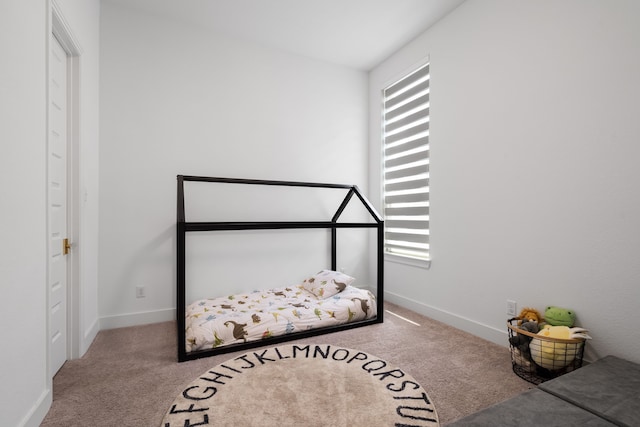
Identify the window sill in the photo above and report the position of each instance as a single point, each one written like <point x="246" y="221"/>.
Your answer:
<point x="420" y="263"/>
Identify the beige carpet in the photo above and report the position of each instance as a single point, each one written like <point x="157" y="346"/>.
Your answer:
<point x="303" y="385"/>
<point x="130" y="376"/>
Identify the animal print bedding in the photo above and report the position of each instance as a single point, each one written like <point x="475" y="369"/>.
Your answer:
<point x="211" y="323"/>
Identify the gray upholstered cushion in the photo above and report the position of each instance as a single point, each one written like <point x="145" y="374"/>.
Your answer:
<point x="609" y="387"/>
<point x="532" y="408"/>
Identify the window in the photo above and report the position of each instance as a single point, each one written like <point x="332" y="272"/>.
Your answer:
<point x="406" y="165"/>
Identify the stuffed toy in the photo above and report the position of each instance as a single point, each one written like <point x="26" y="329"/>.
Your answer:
<point x="551" y="354"/>
<point x="528" y="314"/>
<point x="556" y="316"/>
<point x="519" y="360"/>
<point x="521" y="341"/>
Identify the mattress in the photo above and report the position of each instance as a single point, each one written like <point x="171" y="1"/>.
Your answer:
<point x="260" y="315"/>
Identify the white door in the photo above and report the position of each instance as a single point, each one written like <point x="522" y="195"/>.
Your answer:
<point x="57" y="204"/>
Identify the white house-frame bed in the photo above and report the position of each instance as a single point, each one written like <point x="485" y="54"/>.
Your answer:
<point x="324" y="302"/>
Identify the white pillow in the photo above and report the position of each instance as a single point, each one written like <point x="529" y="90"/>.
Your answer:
<point x="327" y="283"/>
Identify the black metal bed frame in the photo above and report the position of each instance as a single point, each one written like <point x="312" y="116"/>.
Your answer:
<point x="184" y="227"/>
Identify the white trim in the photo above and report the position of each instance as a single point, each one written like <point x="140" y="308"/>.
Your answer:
<point x="486" y="332"/>
<point x="73" y="208"/>
<point x="89" y="336"/>
<point x="136" y="319"/>
<point x="414" y="262"/>
<point x="39" y="410"/>
<point x="61" y="30"/>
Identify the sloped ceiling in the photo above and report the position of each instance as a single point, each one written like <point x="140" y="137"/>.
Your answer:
<point x="355" y="33"/>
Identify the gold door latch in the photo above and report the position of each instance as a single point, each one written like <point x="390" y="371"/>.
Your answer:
<point x="66" y="247"/>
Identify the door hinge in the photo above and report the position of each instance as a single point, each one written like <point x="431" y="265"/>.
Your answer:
<point x="66" y="246"/>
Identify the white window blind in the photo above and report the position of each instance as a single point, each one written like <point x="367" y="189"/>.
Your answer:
<point x="406" y="165"/>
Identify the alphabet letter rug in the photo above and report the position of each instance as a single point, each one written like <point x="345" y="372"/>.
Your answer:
<point x="303" y="385"/>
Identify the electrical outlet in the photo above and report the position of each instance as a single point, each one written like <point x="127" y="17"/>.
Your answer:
<point x="140" y="292"/>
<point x="511" y="308"/>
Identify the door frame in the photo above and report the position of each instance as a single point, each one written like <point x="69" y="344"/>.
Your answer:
<point x="60" y="28"/>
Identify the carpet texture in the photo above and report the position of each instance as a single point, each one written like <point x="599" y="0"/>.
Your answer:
<point x="130" y="376"/>
<point x="303" y="385"/>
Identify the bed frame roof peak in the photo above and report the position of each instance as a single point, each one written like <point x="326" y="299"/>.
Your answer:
<point x="207" y="226"/>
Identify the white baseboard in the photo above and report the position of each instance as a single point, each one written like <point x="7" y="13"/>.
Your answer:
<point x="136" y="319"/>
<point x="89" y="336"/>
<point x="471" y="326"/>
<point x="39" y="410"/>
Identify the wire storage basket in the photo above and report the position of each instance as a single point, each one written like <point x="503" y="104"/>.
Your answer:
<point x="536" y="358"/>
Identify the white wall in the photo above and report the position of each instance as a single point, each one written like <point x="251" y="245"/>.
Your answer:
<point x="176" y="99"/>
<point x="24" y="27"/>
<point x="23" y="266"/>
<point x="534" y="173"/>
